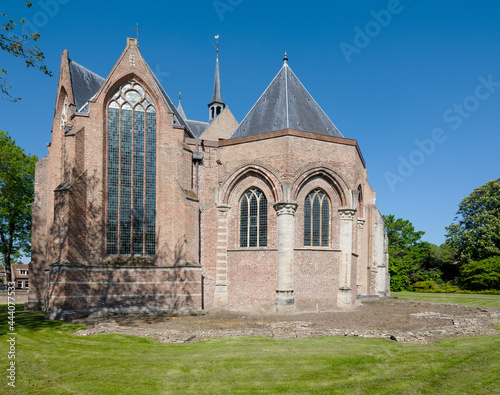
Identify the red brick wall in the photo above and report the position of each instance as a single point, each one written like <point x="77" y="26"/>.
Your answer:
<point x="141" y="289"/>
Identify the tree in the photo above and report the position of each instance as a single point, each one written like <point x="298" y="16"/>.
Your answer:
<point x="443" y="259"/>
<point x="409" y="257"/>
<point x="476" y="236"/>
<point x="17" y="43"/>
<point x="480" y="275"/>
<point x="17" y="178"/>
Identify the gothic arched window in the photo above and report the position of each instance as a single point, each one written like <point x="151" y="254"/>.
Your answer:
<point x="316" y="219"/>
<point x="253" y="219"/>
<point x="131" y="172"/>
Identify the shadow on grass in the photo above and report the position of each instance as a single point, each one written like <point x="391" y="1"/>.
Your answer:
<point x="32" y="321"/>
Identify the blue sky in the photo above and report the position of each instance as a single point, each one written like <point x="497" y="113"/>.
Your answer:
<point x="416" y="83"/>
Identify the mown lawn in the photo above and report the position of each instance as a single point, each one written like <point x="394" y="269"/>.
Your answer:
<point x="49" y="359"/>
<point x="479" y="300"/>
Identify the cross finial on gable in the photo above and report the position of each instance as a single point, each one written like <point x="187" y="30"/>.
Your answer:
<point x="137" y="31"/>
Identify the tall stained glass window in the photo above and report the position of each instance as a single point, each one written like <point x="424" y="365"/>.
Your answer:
<point x="253" y="219"/>
<point x="316" y="219"/>
<point x="131" y="172"/>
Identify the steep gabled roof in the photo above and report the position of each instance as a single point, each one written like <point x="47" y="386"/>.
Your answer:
<point x="286" y="104"/>
<point x="85" y="83"/>
<point x="181" y="110"/>
<point x="197" y="127"/>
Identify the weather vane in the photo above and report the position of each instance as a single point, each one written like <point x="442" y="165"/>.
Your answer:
<point x="180" y="97"/>
<point x="137" y="30"/>
<point x="217" y="45"/>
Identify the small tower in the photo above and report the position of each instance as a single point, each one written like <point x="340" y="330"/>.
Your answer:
<point x="216" y="105"/>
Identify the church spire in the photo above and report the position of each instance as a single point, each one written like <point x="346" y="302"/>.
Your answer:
<point x="216" y="105"/>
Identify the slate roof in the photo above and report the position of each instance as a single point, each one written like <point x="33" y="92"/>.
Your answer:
<point x="178" y="120"/>
<point x="85" y="84"/>
<point x="217" y="96"/>
<point x="286" y="104"/>
<point x="197" y="127"/>
<point x="181" y="110"/>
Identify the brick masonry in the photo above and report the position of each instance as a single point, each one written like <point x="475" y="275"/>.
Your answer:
<point x="198" y="262"/>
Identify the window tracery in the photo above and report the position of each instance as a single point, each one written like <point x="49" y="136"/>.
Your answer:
<point x="253" y="219"/>
<point x="316" y="219"/>
<point x="131" y="172"/>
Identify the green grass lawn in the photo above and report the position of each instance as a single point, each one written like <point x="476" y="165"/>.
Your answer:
<point x="49" y="359"/>
<point x="480" y="300"/>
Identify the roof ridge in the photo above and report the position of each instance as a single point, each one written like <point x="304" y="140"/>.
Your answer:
<point x="83" y="67"/>
<point x="286" y="104"/>
<point x="315" y="102"/>
<point x="257" y="101"/>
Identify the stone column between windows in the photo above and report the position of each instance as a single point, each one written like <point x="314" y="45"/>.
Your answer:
<point x="344" y="299"/>
<point x="361" y="270"/>
<point x="221" y="294"/>
<point x="285" y="300"/>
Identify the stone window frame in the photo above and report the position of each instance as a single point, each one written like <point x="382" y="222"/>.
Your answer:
<point x="300" y="193"/>
<point x="261" y="211"/>
<point x="311" y="196"/>
<point x="117" y="101"/>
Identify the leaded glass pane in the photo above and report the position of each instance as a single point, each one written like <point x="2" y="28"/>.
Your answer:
<point x="150" y="170"/>
<point x="113" y="178"/>
<point x="133" y="97"/>
<point x="244" y="222"/>
<point x="139" y="89"/>
<point x="138" y="222"/>
<point x="325" y="222"/>
<point x="307" y="222"/>
<point x="131" y="174"/>
<point x="263" y="221"/>
<point x="126" y="183"/>
<point x="316" y="210"/>
<point x="253" y="217"/>
<point x="126" y="88"/>
<point x="316" y="219"/>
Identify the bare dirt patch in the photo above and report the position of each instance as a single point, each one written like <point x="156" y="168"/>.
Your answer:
<point x="402" y="321"/>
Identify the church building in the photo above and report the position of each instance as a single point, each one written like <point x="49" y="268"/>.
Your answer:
<point x="140" y="209"/>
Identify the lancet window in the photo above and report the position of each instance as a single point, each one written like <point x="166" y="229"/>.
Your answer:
<point x="131" y="225"/>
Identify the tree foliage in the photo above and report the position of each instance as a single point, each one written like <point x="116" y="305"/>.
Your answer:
<point x="410" y="258"/>
<point x="15" y="41"/>
<point x="17" y="177"/>
<point x="481" y="275"/>
<point x="476" y="236"/>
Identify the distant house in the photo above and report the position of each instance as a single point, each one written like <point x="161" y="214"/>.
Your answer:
<point x="20" y="275"/>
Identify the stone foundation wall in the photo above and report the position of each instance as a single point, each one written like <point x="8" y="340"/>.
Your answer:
<point x="111" y="290"/>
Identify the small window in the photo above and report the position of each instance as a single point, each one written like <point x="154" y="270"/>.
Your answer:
<point x="23" y="272"/>
<point x="19" y="284"/>
<point x="316" y="219"/>
<point x="253" y="219"/>
<point x="26" y="284"/>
